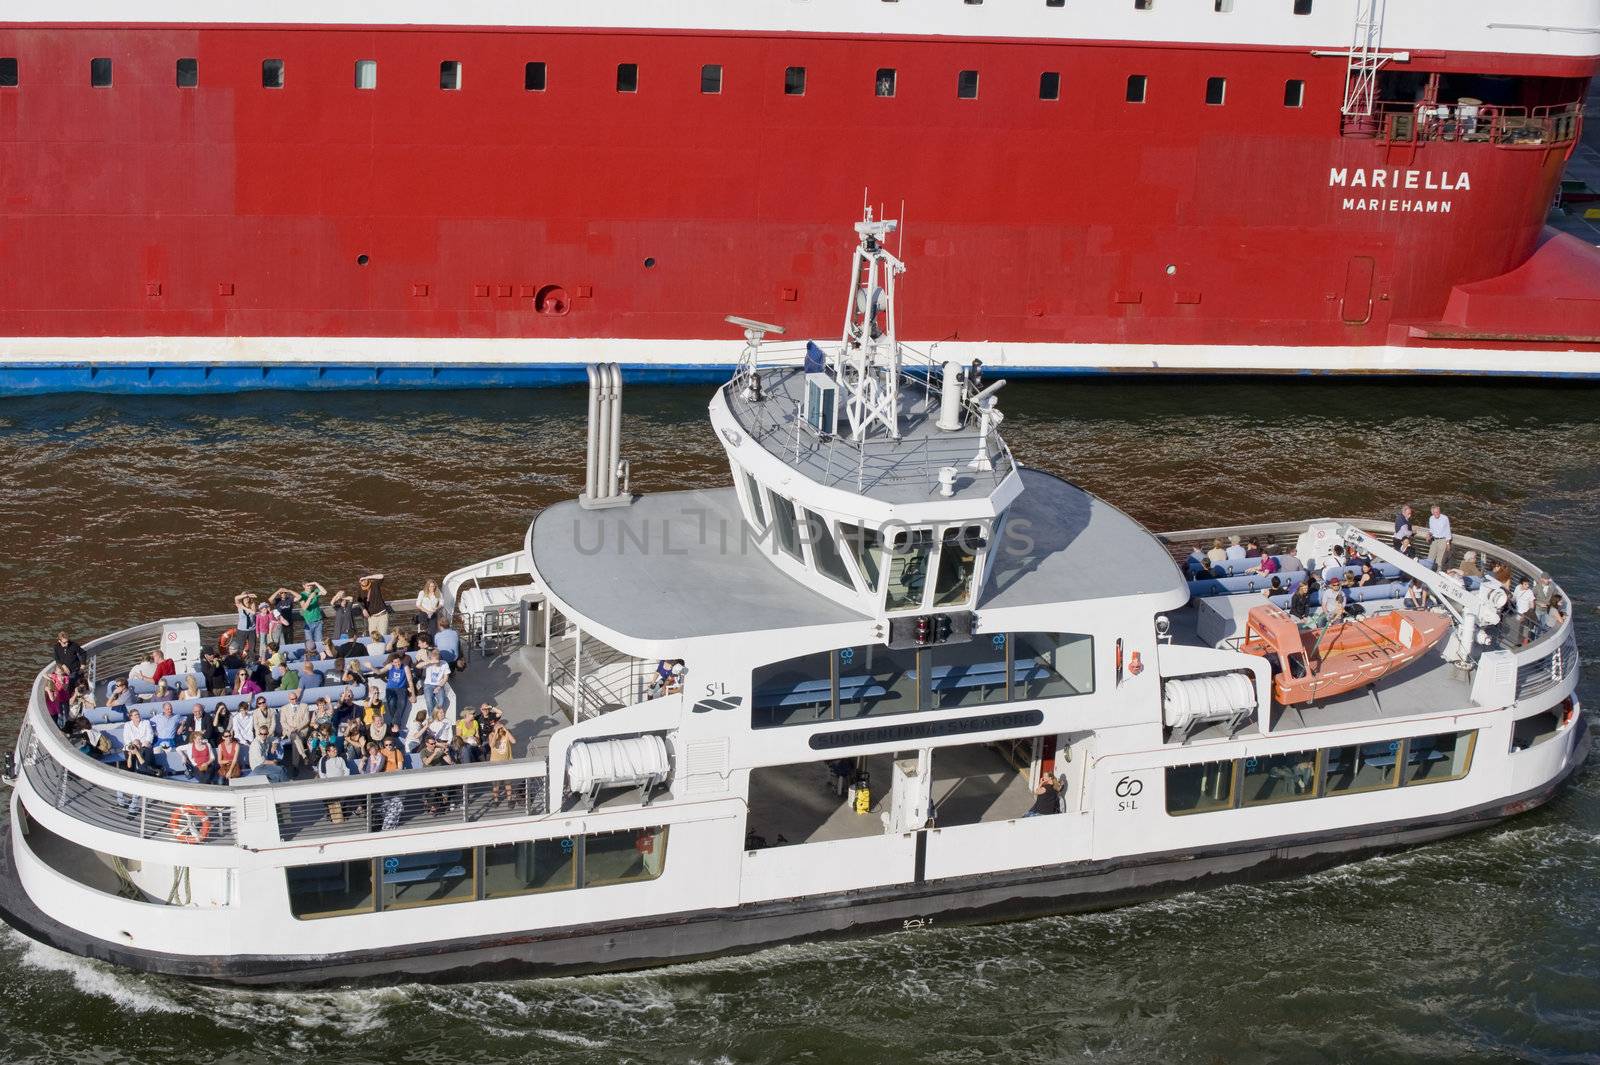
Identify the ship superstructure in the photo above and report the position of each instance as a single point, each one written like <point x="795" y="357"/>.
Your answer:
<point x="889" y="677"/>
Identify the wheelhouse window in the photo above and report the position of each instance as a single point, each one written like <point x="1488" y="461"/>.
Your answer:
<point x="1144" y="5"/>
<point x="866" y="546"/>
<point x="884" y="83"/>
<point x="8" y="72"/>
<point x="533" y="77"/>
<point x="1055" y="3"/>
<point x="272" y="73"/>
<point x="627" y="77"/>
<point x="1274" y="778"/>
<point x="450" y="75"/>
<point x="100" y="73"/>
<point x="1050" y="85"/>
<point x="711" y="79"/>
<point x="794" y="81"/>
<point x="1137" y="84"/>
<point x="908" y="569"/>
<point x="1222" y="7"/>
<point x="958" y="560"/>
<point x="784" y="526"/>
<point x="1294" y="93"/>
<point x="758" y="514"/>
<point x="366" y="74"/>
<point x="1361" y="767"/>
<point x="967" y="85"/>
<point x="825" y="550"/>
<point x="1430" y="759"/>
<point x="1193" y="789"/>
<point x="1302" y="7"/>
<point x="1216" y="91"/>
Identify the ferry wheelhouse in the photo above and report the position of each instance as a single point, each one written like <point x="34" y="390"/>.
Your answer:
<point x="829" y="699"/>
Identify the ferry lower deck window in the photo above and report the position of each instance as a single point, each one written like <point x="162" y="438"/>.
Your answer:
<point x="627" y="77"/>
<point x="272" y="73"/>
<point x="100" y="73"/>
<point x="876" y="680"/>
<point x="533" y="77"/>
<point x="1222" y="7"/>
<point x="8" y="72"/>
<point x="1046" y="665"/>
<point x="366" y="73"/>
<point x="332" y="889"/>
<point x="1430" y="759"/>
<point x="1362" y="767"/>
<point x="1050" y="85"/>
<point x="1193" y="789"/>
<point x="1055" y="3"/>
<point x="1273" y="778"/>
<point x="530" y="867"/>
<point x="796" y="691"/>
<point x="450" y="74"/>
<point x="784" y="527"/>
<point x="967" y="85"/>
<point x="711" y="79"/>
<point x="622" y="857"/>
<point x="1144" y="5"/>
<point x="794" y="81"/>
<point x="968" y="674"/>
<point x="1216" y="91"/>
<point x="427" y="879"/>
<point x="188" y="73"/>
<point x="1294" y="93"/>
<point x="1137" y="84"/>
<point x="824" y="550"/>
<point x="883" y="83"/>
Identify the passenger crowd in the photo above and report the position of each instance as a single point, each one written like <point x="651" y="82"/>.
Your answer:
<point x="1533" y="607"/>
<point x="378" y="717"/>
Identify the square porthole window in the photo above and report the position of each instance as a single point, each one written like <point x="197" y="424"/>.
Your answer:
<point x="188" y="73"/>
<point x="1144" y="5"/>
<point x="8" y="72"/>
<point x="711" y="79"/>
<point x="1216" y="91"/>
<point x="1222" y="7"/>
<point x="967" y="85"/>
<point x="100" y="73"/>
<point x="883" y="84"/>
<point x="533" y="77"/>
<point x="1294" y="93"/>
<point x="1137" y="86"/>
<point x="272" y="73"/>
<point x="1050" y="85"/>
<point x="627" y="77"/>
<point x="1055" y="3"/>
<point x="366" y="73"/>
<point x="794" y="81"/>
<point x="1302" y="7"/>
<point x="450" y="75"/>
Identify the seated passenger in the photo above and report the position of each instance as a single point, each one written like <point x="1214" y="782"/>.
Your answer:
<point x="1218" y="553"/>
<point x="1197" y="558"/>
<point x="438" y="727"/>
<point x="202" y="757"/>
<point x="1368" y="575"/>
<point x="1332" y="609"/>
<point x="1273" y="589"/>
<point x="309" y="677"/>
<point x="1417" y="597"/>
<point x="215" y="675"/>
<point x="378" y="760"/>
<point x="331" y="763"/>
<point x="120" y="695"/>
<point x="194" y="724"/>
<point x="415" y="731"/>
<point x="1300" y="601"/>
<point x="394" y="759"/>
<point x="1235" y="549"/>
<point x="264" y="748"/>
<point x="228" y="755"/>
<point x="1266" y="567"/>
<point x="165" y="725"/>
<point x="468" y="738"/>
<point x="242" y="723"/>
<point x="322" y="713"/>
<point x="1469" y="566"/>
<point x="1334" y="566"/>
<point x="145" y="670"/>
<point x="263" y="716"/>
<point x="1204" y="572"/>
<point x="137" y="738"/>
<point x="1252" y="548"/>
<point x="1047" y="797"/>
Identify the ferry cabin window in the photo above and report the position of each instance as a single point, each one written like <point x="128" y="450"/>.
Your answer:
<point x="794" y="81"/>
<point x="1144" y="5"/>
<point x="824" y="550"/>
<point x="1302" y="7"/>
<point x="1222" y="7"/>
<point x="883" y="83"/>
<point x="711" y="79"/>
<point x="530" y="867"/>
<point x="331" y="890"/>
<point x="908" y="569"/>
<point x="958" y="557"/>
<point x="1274" y="778"/>
<point x="1055" y="3"/>
<point x="758" y="514"/>
<point x="784" y="527"/>
<point x="100" y="73"/>
<point x="967" y="85"/>
<point x="627" y="77"/>
<point x="366" y="73"/>
<point x="875" y="680"/>
<point x="624" y="857"/>
<point x="533" y="77"/>
<point x="1216" y="91"/>
<point x="1362" y="767"/>
<point x="1137" y="83"/>
<point x="1050" y="85"/>
<point x="969" y="674"/>
<point x="867" y="548"/>
<point x="1430" y="759"/>
<point x="188" y="73"/>
<point x="8" y="72"/>
<point x="450" y="75"/>
<point x="797" y="691"/>
<point x="1047" y="665"/>
<point x="427" y="879"/>
<point x="1193" y="789"/>
<point x="272" y="73"/>
<point x="1294" y="93"/>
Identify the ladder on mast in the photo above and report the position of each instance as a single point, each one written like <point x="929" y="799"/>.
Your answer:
<point x="1361" y="79"/>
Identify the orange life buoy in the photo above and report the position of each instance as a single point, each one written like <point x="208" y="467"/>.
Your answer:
<point x="189" y="824"/>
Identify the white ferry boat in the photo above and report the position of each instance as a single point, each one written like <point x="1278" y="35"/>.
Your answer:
<point x="889" y="678"/>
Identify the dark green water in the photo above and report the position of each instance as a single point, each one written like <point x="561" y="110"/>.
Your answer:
<point x="1483" y="949"/>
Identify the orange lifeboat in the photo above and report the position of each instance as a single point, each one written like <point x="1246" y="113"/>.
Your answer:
<point x="1311" y="664"/>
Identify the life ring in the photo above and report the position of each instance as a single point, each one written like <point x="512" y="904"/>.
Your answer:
<point x="644" y="842"/>
<point x="189" y="824"/>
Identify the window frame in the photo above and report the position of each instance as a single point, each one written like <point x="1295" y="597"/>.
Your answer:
<point x="529" y="69"/>
<point x="1142" y="82"/>
<point x="1298" y="87"/>
<point x="711" y="72"/>
<point x="879" y="81"/>
<point x="102" y="72"/>
<point x="1219" y="83"/>
<point x="627" y="75"/>
<point x="10" y="72"/>
<point x="966" y="85"/>
<point x="793" y="86"/>
<point x="452" y="74"/>
<point x="366" y="67"/>
<point x="1054" y="85"/>
<point x="274" y="78"/>
<point x="187" y="73"/>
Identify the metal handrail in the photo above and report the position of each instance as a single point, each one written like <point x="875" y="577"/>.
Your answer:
<point x="1505" y="126"/>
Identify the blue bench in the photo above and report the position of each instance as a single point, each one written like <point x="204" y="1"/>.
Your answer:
<point x="101" y="715"/>
<point x="1236" y="567"/>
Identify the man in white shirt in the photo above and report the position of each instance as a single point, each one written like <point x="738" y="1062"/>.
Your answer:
<point x="137" y="736"/>
<point x="1235" y="549"/>
<point x="1439" y="545"/>
<point x="434" y="679"/>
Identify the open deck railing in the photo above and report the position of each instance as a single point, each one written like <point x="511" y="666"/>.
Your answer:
<point x="1407" y="122"/>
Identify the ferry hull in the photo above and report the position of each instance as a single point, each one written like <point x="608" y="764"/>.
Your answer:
<point x="1077" y="888"/>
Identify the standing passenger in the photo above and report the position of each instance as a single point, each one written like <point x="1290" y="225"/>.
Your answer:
<point x="1439" y="544"/>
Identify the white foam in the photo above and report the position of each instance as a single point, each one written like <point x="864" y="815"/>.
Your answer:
<point x="93" y="977"/>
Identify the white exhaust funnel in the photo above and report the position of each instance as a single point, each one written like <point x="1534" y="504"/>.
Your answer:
<point x="606" y="474"/>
